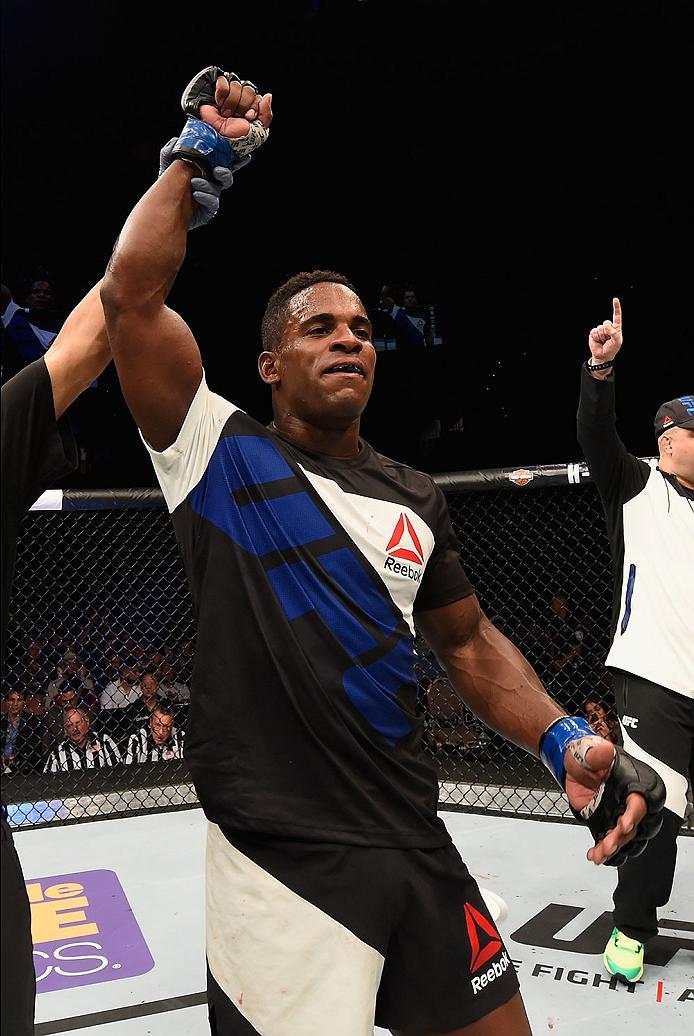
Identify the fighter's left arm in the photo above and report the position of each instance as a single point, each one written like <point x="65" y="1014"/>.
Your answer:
<point x="619" y="798"/>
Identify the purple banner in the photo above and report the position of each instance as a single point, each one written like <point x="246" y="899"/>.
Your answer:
<point x="84" y="931"/>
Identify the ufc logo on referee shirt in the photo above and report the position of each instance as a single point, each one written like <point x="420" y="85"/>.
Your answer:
<point x="630" y="721"/>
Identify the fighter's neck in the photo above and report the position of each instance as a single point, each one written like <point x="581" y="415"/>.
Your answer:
<point x="333" y="442"/>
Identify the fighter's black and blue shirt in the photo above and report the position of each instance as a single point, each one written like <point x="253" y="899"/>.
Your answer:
<point x="305" y="571"/>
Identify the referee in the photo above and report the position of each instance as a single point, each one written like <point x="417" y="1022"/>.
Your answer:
<point x="37" y="450"/>
<point x="81" y="750"/>
<point x="157" y="741"/>
<point x="650" y="523"/>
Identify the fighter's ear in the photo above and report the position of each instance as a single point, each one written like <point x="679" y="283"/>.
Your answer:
<point x="269" y="367"/>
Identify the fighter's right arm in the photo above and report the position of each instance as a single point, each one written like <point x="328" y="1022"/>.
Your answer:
<point x="156" y="355"/>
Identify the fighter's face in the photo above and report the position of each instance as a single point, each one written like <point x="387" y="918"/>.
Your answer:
<point x="323" y="372"/>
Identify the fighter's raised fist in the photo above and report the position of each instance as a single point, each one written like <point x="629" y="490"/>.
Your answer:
<point x="232" y="106"/>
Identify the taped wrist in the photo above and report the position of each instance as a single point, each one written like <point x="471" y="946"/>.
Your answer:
<point x="200" y="144"/>
<point x="557" y="738"/>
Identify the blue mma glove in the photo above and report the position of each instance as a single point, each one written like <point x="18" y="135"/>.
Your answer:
<point x="201" y="90"/>
<point x="626" y="775"/>
<point x="204" y="147"/>
<point x="206" y="193"/>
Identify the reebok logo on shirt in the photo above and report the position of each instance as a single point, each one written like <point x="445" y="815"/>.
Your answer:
<point x="404" y="544"/>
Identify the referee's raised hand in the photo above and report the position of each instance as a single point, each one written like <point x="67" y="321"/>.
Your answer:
<point x="605" y="340"/>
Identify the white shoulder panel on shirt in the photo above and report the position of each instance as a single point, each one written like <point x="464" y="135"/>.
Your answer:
<point x="395" y="540"/>
<point x="180" y="466"/>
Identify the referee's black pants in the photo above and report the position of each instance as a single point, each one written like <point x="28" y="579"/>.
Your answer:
<point x="18" y="976"/>
<point x="658" y="726"/>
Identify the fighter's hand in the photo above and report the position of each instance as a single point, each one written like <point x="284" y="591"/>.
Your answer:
<point x="236" y="106"/>
<point x="605" y="340"/>
<point x="588" y="763"/>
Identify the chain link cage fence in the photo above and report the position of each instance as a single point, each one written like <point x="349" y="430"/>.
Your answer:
<point x="102" y="639"/>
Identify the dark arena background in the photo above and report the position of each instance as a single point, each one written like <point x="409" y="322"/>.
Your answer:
<point x="503" y="170"/>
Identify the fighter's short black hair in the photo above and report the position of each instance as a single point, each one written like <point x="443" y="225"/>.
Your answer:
<point x="276" y="311"/>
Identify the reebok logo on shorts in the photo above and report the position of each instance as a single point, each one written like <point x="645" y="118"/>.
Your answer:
<point x="482" y="952"/>
<point x="494" y="971"/>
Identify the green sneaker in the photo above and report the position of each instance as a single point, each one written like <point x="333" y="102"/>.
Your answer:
<point x="624" y="956"/>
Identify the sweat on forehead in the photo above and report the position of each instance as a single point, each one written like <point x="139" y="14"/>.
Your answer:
<point x="281" y="303"/>
<point x="316" y="296"/>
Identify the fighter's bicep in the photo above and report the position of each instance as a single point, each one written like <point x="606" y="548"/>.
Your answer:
<point x="159" y="368"/>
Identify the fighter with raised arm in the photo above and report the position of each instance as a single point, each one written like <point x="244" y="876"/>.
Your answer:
<point x="335" y="897"/>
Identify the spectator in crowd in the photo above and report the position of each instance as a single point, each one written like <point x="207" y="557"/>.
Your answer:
<point x="121" y="692"/>
<point x="567" y="654"/>
<point x="36" y="666"/>
<point x="127" y="642"/>
<point x="407" y="324"/>
<point x="170" y="686"/>
<point x="71" y="671"/>
<point x="448" y="726"/>
<point x="35" y="704"/>
<point x="29" y="330"/>
<point x="155" y="660"/>
<point x="112" y="668"/>
<point x="140" y="652"/>
<point x="157" y="740"/>
<point x="602" y="720"/>
<point x="81" y="750"/>
<point x="56" y="646"/>
<point x="527" y="634"/>
<point x="91" y="644"/>
<point x="183" y="660"/>
<point x="595" y="706"/>
<point x="20" y="736"/>
<point x="410" y="320"/>
<point x="138" y="714"/>
<point x="54" y="718"/>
